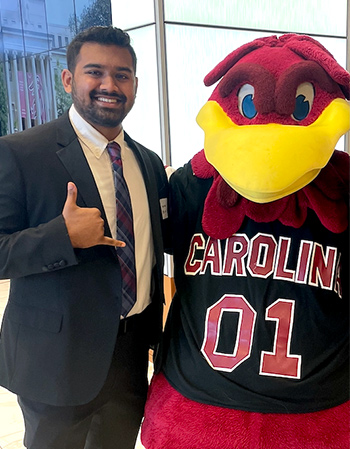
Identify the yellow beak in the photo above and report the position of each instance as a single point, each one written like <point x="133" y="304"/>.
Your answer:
<point x="267" y="162"/>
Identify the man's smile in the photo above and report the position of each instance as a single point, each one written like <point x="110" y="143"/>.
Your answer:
<point x="108" y="99"/>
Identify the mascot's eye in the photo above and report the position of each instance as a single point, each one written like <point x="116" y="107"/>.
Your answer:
<point x="303" y="101"/>
<point x="245" y="101"/>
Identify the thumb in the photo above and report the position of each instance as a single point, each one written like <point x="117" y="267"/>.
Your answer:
<point x="72" y="193"/>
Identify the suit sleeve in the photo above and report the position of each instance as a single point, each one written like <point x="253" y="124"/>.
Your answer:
<point x="26" y="250"/>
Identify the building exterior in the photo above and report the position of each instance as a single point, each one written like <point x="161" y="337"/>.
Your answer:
<point x="34" y="35"/>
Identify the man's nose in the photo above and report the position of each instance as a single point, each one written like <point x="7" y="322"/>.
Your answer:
<point x="109" y="83"/>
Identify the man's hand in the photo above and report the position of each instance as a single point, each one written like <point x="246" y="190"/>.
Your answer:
<point x="85" y="225"/>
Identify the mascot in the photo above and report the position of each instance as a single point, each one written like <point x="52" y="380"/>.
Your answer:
<point x="256" y="346"/>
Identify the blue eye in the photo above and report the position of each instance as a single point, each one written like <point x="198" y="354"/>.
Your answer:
<point x="246" y="101"/>
<point x="248" y="106"/>
<point x="303" y="101"/>
<point x="302" y="108"/>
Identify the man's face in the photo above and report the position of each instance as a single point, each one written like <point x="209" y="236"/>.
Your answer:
<point x="103" y="86"/>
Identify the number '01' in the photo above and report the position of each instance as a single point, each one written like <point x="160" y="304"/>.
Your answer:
<point x="278" y="363"/>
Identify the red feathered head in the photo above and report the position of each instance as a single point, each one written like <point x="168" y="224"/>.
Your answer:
<point x="273" y="120"/>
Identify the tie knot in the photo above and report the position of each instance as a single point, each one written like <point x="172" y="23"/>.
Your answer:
<point x="114" y="149"/>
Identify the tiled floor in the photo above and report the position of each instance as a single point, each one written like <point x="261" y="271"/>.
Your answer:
<point x="11" y="422"/>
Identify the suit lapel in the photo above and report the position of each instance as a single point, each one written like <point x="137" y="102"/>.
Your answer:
<point x="147" y="172"/>
<point x="151" y="188"/>
<point x="72" y="157"/>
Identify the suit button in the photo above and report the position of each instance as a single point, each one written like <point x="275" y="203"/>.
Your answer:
<point x="50" y="267"/>
<point x="62" y="263"/>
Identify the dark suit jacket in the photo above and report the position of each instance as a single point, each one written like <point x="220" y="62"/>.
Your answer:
<point x="61" y="321"/>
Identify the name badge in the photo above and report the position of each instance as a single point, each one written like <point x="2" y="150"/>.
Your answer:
<point x="164" y="207"/>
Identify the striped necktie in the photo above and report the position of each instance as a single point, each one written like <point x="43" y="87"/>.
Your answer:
<point x="125" y="230"/>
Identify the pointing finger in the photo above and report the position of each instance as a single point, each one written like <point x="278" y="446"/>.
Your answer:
<point x="112" y="242"/>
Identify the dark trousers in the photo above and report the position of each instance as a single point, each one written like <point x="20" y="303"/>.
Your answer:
<point x="111" y="420"/>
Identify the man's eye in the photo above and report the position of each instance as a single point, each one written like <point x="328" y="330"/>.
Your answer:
<point x="94" y="73"/>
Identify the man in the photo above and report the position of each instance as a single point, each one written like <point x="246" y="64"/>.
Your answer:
<point x="71" y="351"/>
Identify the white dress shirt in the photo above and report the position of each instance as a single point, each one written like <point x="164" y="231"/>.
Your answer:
<point x="94" y="147"/>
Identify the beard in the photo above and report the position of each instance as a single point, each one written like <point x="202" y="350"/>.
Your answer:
<point x="98" y="115"/>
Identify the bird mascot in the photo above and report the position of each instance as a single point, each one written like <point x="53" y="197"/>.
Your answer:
<point x="256" y="345"/>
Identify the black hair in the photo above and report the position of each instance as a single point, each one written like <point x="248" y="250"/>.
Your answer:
<point x="103" y="35"/>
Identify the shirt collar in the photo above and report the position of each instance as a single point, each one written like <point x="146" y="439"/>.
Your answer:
<point x="87" y="134"/>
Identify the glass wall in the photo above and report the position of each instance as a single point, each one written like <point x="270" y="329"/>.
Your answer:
<point x="319" y="17"/>
<point x="34" y="35"/>
<point x="138" y="17"/>
<point x="143" y="122"/>
<point x="197" y="35"/>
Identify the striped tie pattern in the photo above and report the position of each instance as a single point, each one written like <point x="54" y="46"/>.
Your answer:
<point x="125" y="231"/>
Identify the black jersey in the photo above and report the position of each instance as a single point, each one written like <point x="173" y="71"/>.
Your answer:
<point x="260" y="320"/>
